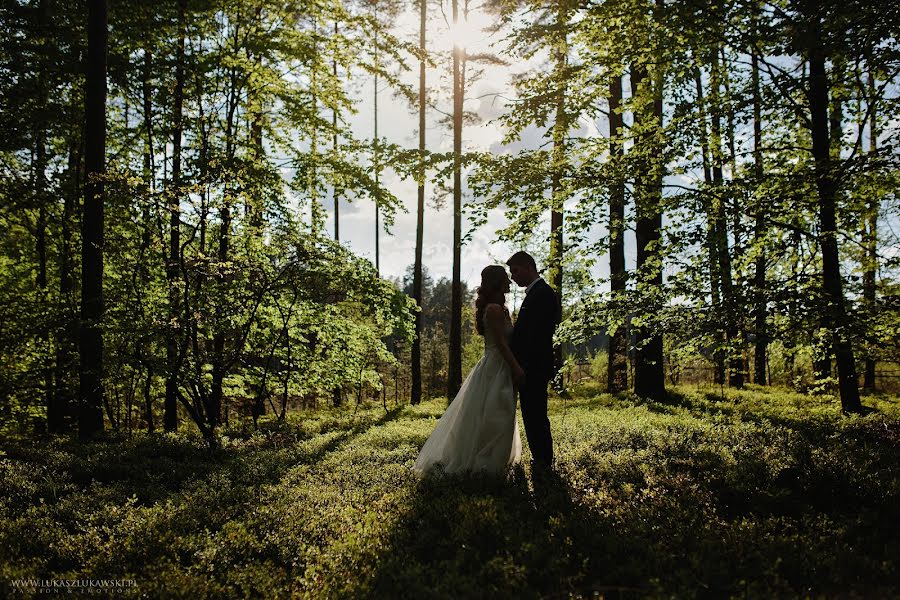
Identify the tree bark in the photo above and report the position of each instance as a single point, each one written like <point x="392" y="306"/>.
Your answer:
<point x="617" y="365"/>
<point x="871" y="241"/>
<point x="711" y="244"/>
<point x="740" y="360"/>
<point x="336" y="393"/>
<point x="42" y="198"/>
<point x="219" y="369"/>
<point x="141" y="273"/>
<point x="560" y="128"/>
<point x="334" y="142"/>
<point x="315" y="209"/>
<point x="173" y="366"/>
<point x="416" y="353"/>
<point x="60" y="411"/>
<point x="90" y="416"/>
<point x="835" y="312"/>
<point x="760" y="350"/>
<point x="649" y="375"/>
<point x="730" y="311"/>
<point x="375" y="157"/>
<point x="454" y="378"/>
<point x="256" y="207"/>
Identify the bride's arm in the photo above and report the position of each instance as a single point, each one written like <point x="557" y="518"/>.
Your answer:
<point x="495" y="318"/>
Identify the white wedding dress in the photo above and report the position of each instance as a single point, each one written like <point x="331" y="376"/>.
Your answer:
<point x="479" y="431"/>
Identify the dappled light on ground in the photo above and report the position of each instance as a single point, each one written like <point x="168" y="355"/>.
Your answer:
<point x="757" y="494"/>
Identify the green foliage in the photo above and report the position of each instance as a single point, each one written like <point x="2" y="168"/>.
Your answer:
<point x="724" y="207"/>
<point x="435" y="331"/>
<point x="258" y="307"/>
<point x="256" y="303"/>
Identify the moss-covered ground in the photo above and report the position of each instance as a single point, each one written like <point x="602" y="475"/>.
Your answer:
<point x="759" y="494"/>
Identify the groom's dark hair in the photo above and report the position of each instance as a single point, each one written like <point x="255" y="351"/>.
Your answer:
<point x="522" y="259"/>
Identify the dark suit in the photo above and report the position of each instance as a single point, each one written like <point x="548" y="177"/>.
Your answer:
<point x="532" y="345"/>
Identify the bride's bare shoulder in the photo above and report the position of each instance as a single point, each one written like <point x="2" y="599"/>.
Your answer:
<point x="493" y="310"/>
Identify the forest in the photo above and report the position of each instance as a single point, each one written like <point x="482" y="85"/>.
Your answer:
<point x="710" y="186"/>
<point x="160" y="267"/>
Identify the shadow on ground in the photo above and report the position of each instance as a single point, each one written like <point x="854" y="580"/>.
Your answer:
<point x="477" y="537"/>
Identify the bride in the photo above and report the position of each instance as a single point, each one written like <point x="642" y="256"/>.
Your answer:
<point x="479" y="430"/>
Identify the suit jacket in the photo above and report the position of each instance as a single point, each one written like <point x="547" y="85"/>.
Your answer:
<point x="532" y="337"/>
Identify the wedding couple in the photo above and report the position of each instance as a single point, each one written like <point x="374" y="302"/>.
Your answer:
<point x="479" y="431"/>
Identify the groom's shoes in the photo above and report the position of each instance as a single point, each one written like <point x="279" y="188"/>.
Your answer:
<point x="547" y="484"/>
<point x="541" y="470"/>
<point x="541" y="465"/>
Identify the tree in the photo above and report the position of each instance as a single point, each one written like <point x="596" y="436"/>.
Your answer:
<point x="90" y="416"/>
<point x="416" y="354"/>
<point x="173" y="274"/>
<point x="454" y="379"/>
<point x="617" y="369"/>
<point x="870" y="236"/>
<point x="382" y="12"/>
<point x="649" y="376"/>
<point x="712" y="239"/>
<point x="720" y="231"/>
<point x="760" y="357"/>
<point x="560" y="132"/>
<point x="334" y="145"/>
<point x="817" y="92"/>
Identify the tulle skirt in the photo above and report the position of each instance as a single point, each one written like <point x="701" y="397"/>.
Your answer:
<point x="479" y="431"/>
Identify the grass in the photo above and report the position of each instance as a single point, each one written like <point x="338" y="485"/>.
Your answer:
<point x="758" y="494"/>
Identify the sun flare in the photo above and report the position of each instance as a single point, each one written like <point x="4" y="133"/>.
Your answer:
<point x="466" y="33"/>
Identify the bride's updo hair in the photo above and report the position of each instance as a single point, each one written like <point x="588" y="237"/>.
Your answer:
<point x="492" y="290"/>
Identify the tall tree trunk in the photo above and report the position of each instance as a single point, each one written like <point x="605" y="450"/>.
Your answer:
<point x="42" y="197"/>
<point x="147" y="105"/>
<point x="317" y="218"/>
<point x="760" y="351"/>
<point x="141" y="272"/>
<point x="375" y="157"/>
<point x="336" y="393"/>
<point x="334" y="141"/>
<point x="173" y="366"/>
<point x="649" y="375"/>
<point x="214" y="409"/>
<point x="61" y="409"/>
<point x="454" y="377"/>
<point x="617" y="366"/>
<point x="40" y="165"/>
<point x="870" y="264"/>
<point x="90" y="415"/>
<point x="728" y="103"/>
<point x="824" y="349"/>
<point x="560" y="128"/>
<point x="198" y="408"/>
<point x="256" y="207"/>
<point x="740" y="323"/>
<point x="835" y="313"/>
<point x="711" y="244"/>
<point x="416" y="353"/>
<point x="735" y="364"/>
<point x="255" y="200"/>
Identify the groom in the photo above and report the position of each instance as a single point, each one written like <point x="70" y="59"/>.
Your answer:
<point x="532" y="345"/>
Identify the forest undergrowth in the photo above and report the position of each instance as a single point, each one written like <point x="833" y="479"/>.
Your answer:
<point x="755" y="494"/>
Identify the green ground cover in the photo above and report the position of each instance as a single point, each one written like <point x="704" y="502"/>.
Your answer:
<point x="759" y="494"/>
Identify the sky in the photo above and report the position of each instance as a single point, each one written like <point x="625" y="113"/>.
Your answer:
<point x="399" y="123"/>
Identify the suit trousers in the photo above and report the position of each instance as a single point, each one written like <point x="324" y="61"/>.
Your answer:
<point x="533" y="397"/>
